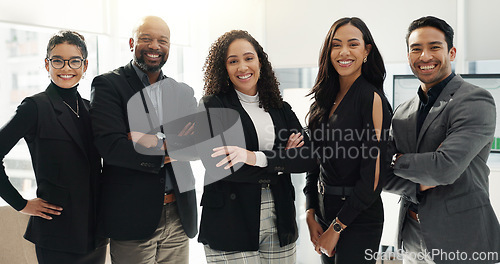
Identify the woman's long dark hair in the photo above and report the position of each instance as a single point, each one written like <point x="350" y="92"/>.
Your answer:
<point x="216" y="77"/>
<point x="327" y="84"/>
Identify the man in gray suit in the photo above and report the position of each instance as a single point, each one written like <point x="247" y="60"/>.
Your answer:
<point x="442" y="139"/>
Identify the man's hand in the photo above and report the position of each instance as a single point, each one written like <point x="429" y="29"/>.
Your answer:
<point x="168" y="160"/>
<point x="187" y="130"/>
<point x="395" y="158"/>
<point x="234" y="155"/>
<point x="146" y="140"/>
<point x="425" y="187"/>
<point x="40" y="207"/>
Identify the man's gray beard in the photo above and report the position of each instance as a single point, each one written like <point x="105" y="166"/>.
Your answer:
<point x="147" y="68"/>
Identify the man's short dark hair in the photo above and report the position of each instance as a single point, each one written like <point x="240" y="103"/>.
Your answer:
<point x="430" y="21"/>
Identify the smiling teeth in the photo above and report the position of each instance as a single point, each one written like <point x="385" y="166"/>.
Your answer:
<point x="153" y="55"/>
<point x="66" y="76"/>
<point x="245" y="76"/>
<point x="430" y="67"/>
<point x="345" y="62"/>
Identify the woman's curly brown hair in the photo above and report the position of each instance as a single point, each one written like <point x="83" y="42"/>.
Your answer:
<point x="216" y="77"/>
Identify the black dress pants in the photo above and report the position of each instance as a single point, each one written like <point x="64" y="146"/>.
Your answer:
<point x="360" y="238"/>
<point x="47" y="256"/>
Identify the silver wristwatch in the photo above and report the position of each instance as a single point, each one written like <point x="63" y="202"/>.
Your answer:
<point x="161" y="137"/>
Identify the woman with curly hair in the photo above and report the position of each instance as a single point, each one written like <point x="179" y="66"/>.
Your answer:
<point x="350" y="117"/>
<point x="250" y="214"/>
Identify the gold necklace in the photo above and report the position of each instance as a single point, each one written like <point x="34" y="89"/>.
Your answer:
<point x="77" y="108"/>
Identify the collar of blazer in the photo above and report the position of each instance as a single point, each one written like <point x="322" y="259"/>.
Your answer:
<point x="439" y="105"/>
<point x="132" y="78"/>
<point x="64" y="114"/>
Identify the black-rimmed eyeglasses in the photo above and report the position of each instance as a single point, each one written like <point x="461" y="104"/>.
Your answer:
<point x="74" y="63"/>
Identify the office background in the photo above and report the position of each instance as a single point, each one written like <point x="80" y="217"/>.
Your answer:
<point x="291" y="32"/>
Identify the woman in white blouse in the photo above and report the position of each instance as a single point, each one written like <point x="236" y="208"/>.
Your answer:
<point x="249" y="213"/>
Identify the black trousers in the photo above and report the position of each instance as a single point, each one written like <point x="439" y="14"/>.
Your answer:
<point x="361" y="236"/>
<point x="47" y="256"/>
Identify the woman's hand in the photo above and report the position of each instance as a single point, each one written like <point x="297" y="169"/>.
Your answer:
<point x="234" y="155"/>
<point x="315" y="229"/>
<point x="295" y="141"/>
<point x="40" y="207"/>
<point x="327" y="242"/>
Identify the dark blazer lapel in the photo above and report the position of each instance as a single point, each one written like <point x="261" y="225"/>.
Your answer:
<point x="85" y="105"/>
<point x="440" y="104"/>
<point x="411" y="127"/>
<point x="249" y="128"/>
<point x="136" y="84"/>
<point x="278" y="123"/>
<point x="132" y="78"/>
<point x="93" y="151"/>
<point x="152" y="115"/>
<point x="170" y="101"/>
<point x="64" y="116"/>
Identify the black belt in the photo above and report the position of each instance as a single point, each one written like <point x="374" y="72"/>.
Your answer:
<point x="334" y="190"/>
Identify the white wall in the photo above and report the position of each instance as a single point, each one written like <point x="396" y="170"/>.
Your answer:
<point x="483" y="30"/>
<point x="291" y="31"/>
<point x="295" y="29"/>
<point x="87" y="16"/>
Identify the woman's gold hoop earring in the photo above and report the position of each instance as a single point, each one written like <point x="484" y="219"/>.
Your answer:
<point x="365" y="59"/>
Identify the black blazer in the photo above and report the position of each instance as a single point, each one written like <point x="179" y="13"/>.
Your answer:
<point x="231" y="206"/>
<point x="66" y="171"/>
<point x="132" y="183"/>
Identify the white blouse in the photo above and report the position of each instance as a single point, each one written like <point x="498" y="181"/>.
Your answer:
<point x="263" y="124"/>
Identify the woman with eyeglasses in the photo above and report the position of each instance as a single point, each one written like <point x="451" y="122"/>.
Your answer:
<point x="56" y="126"/>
